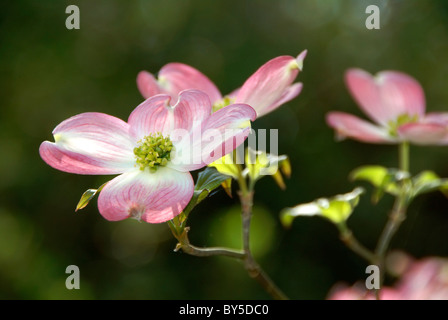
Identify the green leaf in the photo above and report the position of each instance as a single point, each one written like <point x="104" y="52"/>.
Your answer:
<point x="428" y="181"/>
<point x="288" y="215"/>
<point x="337" y="209"/>
<point x="373" y="174"/>
<point x="87" y="196"/>
<point x="385" y="180"/>
<point x="208" y="180"/>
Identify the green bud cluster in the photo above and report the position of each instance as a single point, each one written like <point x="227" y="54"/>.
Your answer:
<point x="153" y="151"/>
<point x="222" y="103"/>
<point x="401" y="120"/>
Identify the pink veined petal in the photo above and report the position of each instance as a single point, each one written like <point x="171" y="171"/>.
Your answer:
<point x="90" y="143"/>
<point x="401" y="94"/>
<point x="220" y="134"/>
<point x="148" y="85"/>
<point x="177" y="77"/>
<point x="358" y="292"/>
<point x="268" y="84"/>
<point x="192" y="109"/>
<point x="289" y="94"/>
<point x="366" y="93"/>
<point x="386" y="96"/>
<point x="225" y="130"/>
<point x="153" y="197"/>
<point x="151" y="116"/>
<point x="157" y="115"/>
<point x="436" y="117"/>
<point x="425" y="280"/>
<point x="424" y="133"/>
<point x="349" y="126"/>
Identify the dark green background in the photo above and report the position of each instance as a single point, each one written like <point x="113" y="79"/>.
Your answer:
<point x="49" y="73"/>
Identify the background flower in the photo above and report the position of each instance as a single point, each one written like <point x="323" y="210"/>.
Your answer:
<point x="424" y="279"/>
<point x="396" y="102"/>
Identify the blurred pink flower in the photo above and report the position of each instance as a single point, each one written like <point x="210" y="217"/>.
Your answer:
<point x="268" y="88"/>
<point x="396" y="103"/>
<point x="426" y="279"/>
<point x="151" y="152"/>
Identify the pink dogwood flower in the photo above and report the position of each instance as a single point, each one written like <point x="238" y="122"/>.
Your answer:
<point x="396" y="103"/>
<point x="267" y="89"/>
<point x="425" y="279"/>
<point x="151" y="152"/>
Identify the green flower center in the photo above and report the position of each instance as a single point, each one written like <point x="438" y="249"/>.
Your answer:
<point x="222" y="103"/>
<point x="153" y="151"/>
<point x="401" y="120"/>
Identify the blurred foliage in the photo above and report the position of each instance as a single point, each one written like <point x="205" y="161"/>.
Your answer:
<point x="49" y="73"/>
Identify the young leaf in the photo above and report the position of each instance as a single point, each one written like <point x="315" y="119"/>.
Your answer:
<point x="385" y="180"/>
<point x="307" y="209"/>
<point x="208" y="180"/>
<point x="428" y="181"/>
<point x="337" y="209"/>
<point x="86" y="197"/>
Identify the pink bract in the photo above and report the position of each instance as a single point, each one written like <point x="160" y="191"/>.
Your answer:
<point x="100" y="144"/>
<point x="396" y="103"/>
<point x="267" y="89"/>
<point x="425" y="279"/>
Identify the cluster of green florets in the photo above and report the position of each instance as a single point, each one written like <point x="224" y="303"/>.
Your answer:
<point x="222" y="103"/>
<point x="153" y="151"/>
<point x="401" y="120"/>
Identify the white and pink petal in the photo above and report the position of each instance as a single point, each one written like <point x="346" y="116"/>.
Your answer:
<point x="225" y="130"/>
<point x="152" y="197"/>
<point x="289" y="94"/>
<point x="401" y="94"/>
<point x="156" y="114"/>
<point x="177" y="77"/>
<point x="386" y="96"/>
<point x="147" y="85"/>
<point x="90" y="143"/>
<point x="424" y="133"/>
<point x="268" y="84"/>
<point x="436" y="117"/>
<point x="219" y="135"/>
<point x="366" y="93"/>
<point x="349" y="126"/>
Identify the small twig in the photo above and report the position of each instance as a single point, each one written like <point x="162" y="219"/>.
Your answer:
<point x="184" y="244"/>
<point x="352" y="243"/>
<point x="252" y="267"/>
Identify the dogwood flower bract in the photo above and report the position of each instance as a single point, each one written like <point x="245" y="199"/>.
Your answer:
<point x="153" y="152"/>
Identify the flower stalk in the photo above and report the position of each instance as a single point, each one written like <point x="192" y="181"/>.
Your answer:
<point x="253" y="268"/>
<point x="398" y="214"/>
